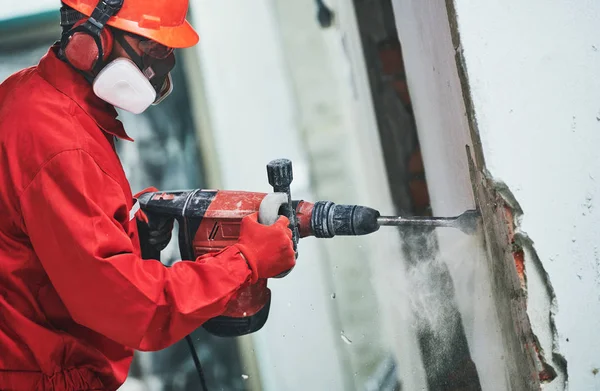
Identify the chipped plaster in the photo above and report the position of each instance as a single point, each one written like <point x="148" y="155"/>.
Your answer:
<point x="527" y="103"/>
<point x="535" y="92"/>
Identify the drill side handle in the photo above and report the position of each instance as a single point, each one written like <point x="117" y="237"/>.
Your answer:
<point x="280" y="175"/>
<point x="270" y="207"/>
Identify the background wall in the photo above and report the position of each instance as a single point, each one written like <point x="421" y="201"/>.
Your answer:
<point x="277" y="85"/>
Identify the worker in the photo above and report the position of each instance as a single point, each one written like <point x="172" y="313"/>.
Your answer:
<point x="76" y="297"/>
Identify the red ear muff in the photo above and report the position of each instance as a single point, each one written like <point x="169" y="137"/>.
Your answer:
<point x="82" y="50"/>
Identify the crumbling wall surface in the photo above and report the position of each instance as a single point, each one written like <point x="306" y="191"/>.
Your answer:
<point x="531" y="71"/>
<point x="517" y="276"/>
<point x="517" y="82"/>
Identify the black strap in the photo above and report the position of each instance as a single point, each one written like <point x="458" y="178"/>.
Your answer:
<point x="120" y="37"/>
<point x="69" y="16"/>
<point x="102" y="13"/>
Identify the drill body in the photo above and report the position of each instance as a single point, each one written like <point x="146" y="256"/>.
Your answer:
<point x="210" y="220"/>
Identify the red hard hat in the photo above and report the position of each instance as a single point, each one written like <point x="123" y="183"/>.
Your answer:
<point x="162" y="21"/>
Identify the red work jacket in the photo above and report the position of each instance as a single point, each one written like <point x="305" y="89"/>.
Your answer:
<point x="75" y="297"/>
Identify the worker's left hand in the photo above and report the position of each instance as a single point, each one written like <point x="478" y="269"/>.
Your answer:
<point x="159" y="231"/>
<point x="154" y="231"/>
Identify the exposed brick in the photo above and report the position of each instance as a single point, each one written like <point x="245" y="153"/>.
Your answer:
<point x="417" y="185"/>
<point x="520" y="265"/>
<point x="545" y="372"/>
<point x="392" y="66"/>
<point x="401" y="88"/>
<point x="419" y="195"/>
<point x="415" y="162"/>
<point x="390" y="55"/>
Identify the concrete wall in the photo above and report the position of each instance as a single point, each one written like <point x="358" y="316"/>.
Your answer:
<point x="531" y="83"/>
<point x="534" y="72"/>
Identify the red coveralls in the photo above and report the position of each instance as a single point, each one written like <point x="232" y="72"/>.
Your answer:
<point x="75" y="297"/>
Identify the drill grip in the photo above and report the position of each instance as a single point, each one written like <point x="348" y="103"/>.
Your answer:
<point x="148" y="250"/>
<point x="268" y="213"/>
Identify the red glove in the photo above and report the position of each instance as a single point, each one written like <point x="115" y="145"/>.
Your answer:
<point x="268" y="249"/>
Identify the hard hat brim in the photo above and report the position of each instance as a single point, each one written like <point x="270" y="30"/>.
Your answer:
<point x="178" y="37"/>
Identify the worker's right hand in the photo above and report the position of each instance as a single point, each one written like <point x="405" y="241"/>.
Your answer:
<point x="268" y="249"/>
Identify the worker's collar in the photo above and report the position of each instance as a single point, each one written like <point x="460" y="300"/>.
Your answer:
<point x="68" y="81"/>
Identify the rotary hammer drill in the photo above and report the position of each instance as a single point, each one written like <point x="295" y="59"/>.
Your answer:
<point x="209" y="220"/>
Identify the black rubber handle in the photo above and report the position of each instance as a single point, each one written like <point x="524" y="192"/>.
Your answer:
<point x="280" y="174"/>
<point x="148" y="250"/>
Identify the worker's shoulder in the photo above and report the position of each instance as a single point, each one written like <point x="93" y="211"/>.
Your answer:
<point x="38" y="122"/>
<point x="28" y="103"/>
<point x="35" y="113"/>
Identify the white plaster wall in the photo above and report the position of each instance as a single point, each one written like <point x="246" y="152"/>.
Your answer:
<point x="534" y="71"/>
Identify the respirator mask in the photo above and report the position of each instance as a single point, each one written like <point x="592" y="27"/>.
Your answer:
<point x="137" y="83"/>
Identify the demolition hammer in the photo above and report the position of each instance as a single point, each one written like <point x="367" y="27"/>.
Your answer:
<point x="209" y="220"/>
